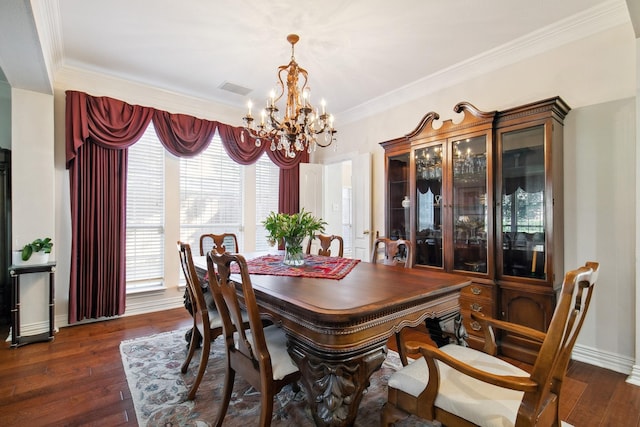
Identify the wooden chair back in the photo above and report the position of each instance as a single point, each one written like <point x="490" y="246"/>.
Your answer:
<point x="325" y="244"/>
<point x="392" y="250"/>
<point x="249" y="351"/>
<point x="207" y="324"/>
<point x="225" y="242"/>
<point x="554" y="356"/>
<point x="464" y="381"/>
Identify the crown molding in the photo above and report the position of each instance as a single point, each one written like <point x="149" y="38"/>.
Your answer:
<point x="591" y="21"/>
<point x="46" y="15"/>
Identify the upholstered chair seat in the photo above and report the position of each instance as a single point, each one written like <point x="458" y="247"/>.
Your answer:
<point x="493" y="406"/>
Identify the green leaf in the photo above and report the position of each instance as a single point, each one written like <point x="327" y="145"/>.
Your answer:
<point x="26" y="252"/>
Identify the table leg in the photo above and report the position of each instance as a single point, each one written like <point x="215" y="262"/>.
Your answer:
<point x="335" y="382"/>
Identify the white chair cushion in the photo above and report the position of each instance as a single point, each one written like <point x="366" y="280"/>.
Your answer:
<point x="281" y="363"/>
<point x="479" y="402"/>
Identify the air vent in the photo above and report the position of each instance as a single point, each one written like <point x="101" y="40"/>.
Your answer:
<point x="237" y="89"/>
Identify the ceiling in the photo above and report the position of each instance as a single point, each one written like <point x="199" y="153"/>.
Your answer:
<point x="356" y="51"/>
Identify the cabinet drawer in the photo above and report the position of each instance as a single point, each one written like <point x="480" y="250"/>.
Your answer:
<point x="472" y="326"/>
<point x="477" y="290"/>
<point x="479" y="305"/>
<point x="478" y="298"/>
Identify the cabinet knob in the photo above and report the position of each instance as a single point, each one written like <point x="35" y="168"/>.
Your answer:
<point x="476" y="307"/>
<point x="475" y="290"/>
<point x="476" y="326"/>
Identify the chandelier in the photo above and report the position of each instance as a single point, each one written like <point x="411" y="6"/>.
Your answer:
<point x="302" y="127"/>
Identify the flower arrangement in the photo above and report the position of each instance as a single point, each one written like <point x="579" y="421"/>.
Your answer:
<point x="292" y="229"/>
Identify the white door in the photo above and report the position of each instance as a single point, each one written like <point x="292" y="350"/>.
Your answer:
<point x="361" y="181"/>
<point x="315" y="177"/>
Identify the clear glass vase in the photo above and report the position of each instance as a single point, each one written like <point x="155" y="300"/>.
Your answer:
<point x="293" y="254"/>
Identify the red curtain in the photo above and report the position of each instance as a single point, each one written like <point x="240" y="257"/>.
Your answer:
<point x="183" y="135"/>
<point x="98" y="132"/>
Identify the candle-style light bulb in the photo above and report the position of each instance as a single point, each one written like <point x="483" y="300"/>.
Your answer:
<point x="323" y="104"/>
<point x="249" y="104"/>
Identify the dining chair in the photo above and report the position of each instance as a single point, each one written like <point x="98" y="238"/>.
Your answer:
<point x="393" y="251"/>
<point x="225" y="242"/>
<point x="325" y="244"/>
<point x="258" y="354"/>
<point x="460" y="386"/>
<point x="207" y="323"/>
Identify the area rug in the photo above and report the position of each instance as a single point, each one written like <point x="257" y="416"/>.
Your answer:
<point x="159" y="390"/>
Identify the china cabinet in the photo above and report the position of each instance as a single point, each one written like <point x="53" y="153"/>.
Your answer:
<point x="482" y="197"/>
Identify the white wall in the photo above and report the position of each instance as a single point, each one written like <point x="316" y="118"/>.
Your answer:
<point x="33" y="188"/>
<point x="596" y="77"/>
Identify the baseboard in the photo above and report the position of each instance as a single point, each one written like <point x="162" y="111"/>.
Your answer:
<point x="133" y="308"/>
<point x="142" y="307"/>
<point x="634" y="378"/>
<point x="603" y="359"/>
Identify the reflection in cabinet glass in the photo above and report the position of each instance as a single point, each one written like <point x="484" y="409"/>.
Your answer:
<point x="470" y="204"/>
<point x="523" y="200"/>
<point x="429" y="205"/>
<point x="398" y="191"/>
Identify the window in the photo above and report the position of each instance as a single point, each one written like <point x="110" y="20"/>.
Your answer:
<point x="145" y="213"/>
<point x="267" y="187"/>
<point x="211" y="196"/>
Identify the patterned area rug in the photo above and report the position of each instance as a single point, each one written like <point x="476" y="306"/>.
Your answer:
<point x="152" y="366"/>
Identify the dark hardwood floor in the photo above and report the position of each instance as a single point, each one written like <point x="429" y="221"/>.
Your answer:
<point x="78" y="379"/>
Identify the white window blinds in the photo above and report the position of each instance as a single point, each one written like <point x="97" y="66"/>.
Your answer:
<point x="267" y="187"/>
<point x="145" y="213"/>
<point x="211" y="195"/>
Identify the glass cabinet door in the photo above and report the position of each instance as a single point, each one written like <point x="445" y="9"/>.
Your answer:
<point x="428" y="209"/>
<point x="469" y="162"/>
<point x="523" y="203"/>
<point x="398" y="193"/>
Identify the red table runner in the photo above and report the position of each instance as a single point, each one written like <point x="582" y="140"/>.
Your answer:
<point x="314" y="266"/>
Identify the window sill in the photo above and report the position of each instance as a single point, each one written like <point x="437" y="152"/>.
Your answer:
<point x="147" y="290"/>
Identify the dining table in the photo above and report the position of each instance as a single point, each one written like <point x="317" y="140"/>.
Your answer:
<point x="338" y="326"/>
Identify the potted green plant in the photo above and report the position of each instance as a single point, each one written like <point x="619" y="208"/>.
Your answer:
<point x="292" y="229"/>
<point x="37" y="251"/>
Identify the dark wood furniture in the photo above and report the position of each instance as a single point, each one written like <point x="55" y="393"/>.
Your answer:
<point x="465" y="392"/>
<point x="393" y="252"/>
<point x="325" y="244"/>
<point x="15" y="271"/>
<point x="338" y="329"/>
<point x="5" y="236"/>
<point x="257" y="353"/>
<point x="225" y="242"/>
<point x="482" y="197"/>
<point x="207" y="324"/>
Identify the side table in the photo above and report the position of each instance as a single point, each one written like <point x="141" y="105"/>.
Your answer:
<point x="15" y="271"/>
